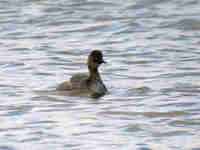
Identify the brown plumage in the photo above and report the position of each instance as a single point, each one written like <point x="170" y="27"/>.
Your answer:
<point x="91" y="82"/>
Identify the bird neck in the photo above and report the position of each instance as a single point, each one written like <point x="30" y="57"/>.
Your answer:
<point x="93" y="73"/>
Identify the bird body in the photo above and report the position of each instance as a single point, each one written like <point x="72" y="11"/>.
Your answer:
<point x="91" y="82"/>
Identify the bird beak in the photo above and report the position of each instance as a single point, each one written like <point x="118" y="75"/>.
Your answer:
<point x="102" y="61"/>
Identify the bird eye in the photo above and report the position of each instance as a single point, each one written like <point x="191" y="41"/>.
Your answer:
<point x="95" y="59"/>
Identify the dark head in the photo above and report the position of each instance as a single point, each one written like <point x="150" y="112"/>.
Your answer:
<point x="95" y="59"/>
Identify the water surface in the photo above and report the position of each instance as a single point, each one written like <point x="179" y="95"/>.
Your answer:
<point x="152" y="50"/>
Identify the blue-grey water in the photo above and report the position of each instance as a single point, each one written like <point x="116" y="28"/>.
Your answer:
<point x="152" y="49"/>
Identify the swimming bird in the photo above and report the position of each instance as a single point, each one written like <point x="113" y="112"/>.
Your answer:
<point x="92" y="82"/>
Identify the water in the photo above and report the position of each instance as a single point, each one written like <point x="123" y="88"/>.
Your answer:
<point x="152" y="50"/>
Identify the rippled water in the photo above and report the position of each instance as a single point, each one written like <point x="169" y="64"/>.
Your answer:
<point x="152" y="50"/>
